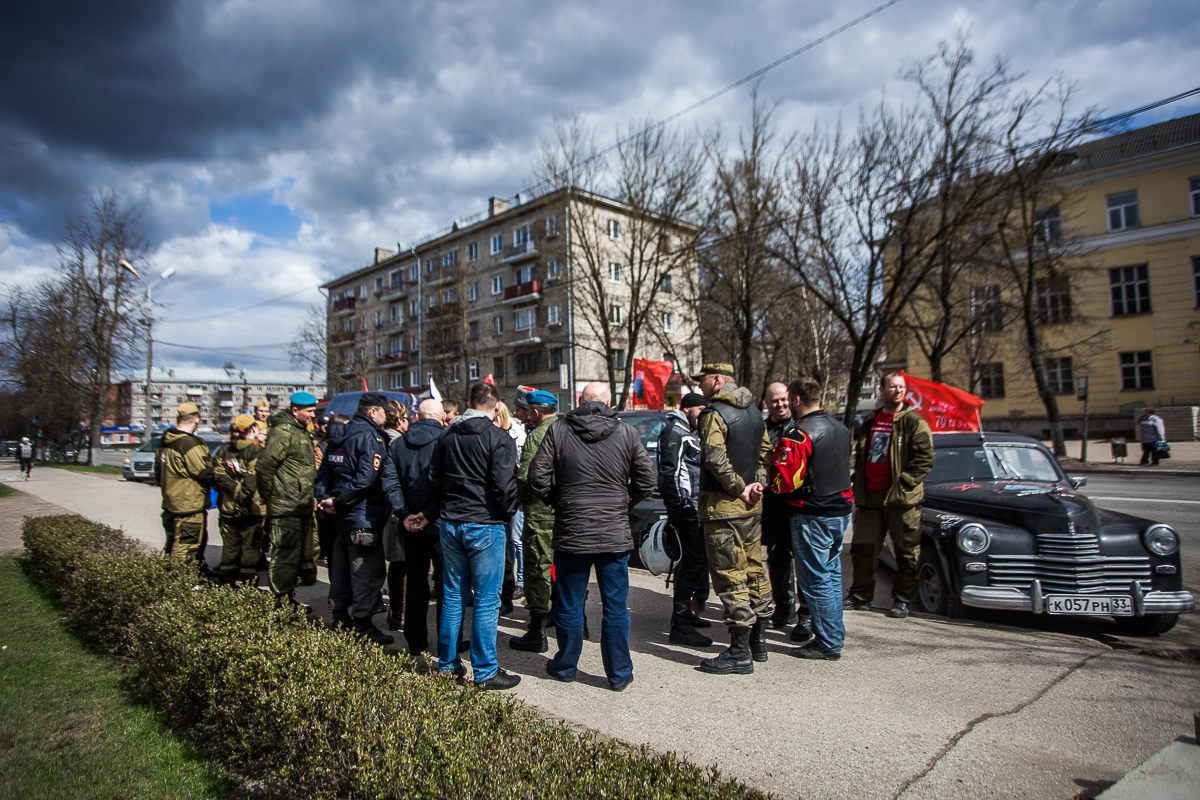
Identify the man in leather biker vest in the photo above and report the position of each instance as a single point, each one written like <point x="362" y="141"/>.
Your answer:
<point x="735" y="454"/>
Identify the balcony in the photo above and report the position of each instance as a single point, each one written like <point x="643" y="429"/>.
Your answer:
<point x="523" y="338"/>
<point x="342" y="337"/>
<point x="390" y="325"/>
<point x="344" y="305"/>
<point x="226" y="404"/>
<point x="398" y="358"/>
<point x="529" y="291"/>
<point x="393" y="291"/>
<point x="519" y="252"/>
<point x="443" y="310"/>
<point x="447" y="275"/>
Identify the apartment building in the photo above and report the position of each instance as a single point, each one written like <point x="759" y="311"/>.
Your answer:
<point x="1129" y="320"/>
<point x="545" y="292"/>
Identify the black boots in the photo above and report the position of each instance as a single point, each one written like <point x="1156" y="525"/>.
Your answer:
<point x="803" y="630"/>
<point x="735" y="659"/>
<point x="683" y="631"/>
<point x="365" y="627"/>
<point x="534" y="640"/>
<point x="758" y="639"/>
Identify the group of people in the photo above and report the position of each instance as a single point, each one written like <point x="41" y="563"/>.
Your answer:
<point x="405" y="501"/>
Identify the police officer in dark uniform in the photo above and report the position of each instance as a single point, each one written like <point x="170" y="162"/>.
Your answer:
<point x="357" y="484"/>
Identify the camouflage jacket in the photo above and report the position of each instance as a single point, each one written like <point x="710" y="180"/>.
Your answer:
<point x="236" y="482"/>
<point x="184" y="471"/>
<point x="726" y="502"/>
<point x="539" y="515"/>
<point x="286" y="468"/>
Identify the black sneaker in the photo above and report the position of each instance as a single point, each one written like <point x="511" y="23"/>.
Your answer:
<point x="620" y="687"/>
<point x="501" y="680"/>
<point x="816" y="653"/>
<point x="803" y="631"/>
<point x="506" y="608"/>
<point x="898" y="610"/>
<point x="852" y="603"/>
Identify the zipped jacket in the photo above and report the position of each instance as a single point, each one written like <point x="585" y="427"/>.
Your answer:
<point x="910" y="456"/>
<point x="184" y="471"/>
<point x="359" y="475"/>
<point x="679" y="467"/>
<point x="412" y="452"/>
<point x="286" y="468"/>
<point x="233" y="474"/>
<point x="472" y="475"/>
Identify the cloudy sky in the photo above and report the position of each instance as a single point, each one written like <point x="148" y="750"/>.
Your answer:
<point x="271" y="145"/>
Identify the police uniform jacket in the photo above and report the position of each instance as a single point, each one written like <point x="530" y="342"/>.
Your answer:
<point x="359" y="475"/>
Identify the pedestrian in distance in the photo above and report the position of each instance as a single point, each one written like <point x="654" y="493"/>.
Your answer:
<point x="735" y="455"/>
<point x="358" y="485"/>
<point x="239" y="505"/>
<point x="184" y="472"/>
<point x="472" y="477"/>
<point x="679" y="487"/>
<point x="811" y="473"/>
<point x="893" y="452"/>
<point x="592" y="468"/>
<point x="25" y="454"/>
<point x="776" y="525"/>
<point x="1151" y="431"/>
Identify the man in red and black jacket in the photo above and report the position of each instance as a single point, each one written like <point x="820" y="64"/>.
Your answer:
<point x="811" y="471"/>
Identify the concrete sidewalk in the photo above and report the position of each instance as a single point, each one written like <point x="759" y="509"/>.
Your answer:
<point x="923" y="707"/>
<point x="1184" y="460"/>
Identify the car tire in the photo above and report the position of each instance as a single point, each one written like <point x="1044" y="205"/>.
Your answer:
<point x="934" y="594"/>
<point x="1149" y="625"/>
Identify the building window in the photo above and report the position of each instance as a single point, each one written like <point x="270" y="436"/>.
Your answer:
<point x="395" y="345"/>
<point x="450" y="295"/>
<point x="413" y="379"/>
<point x="526" y="363"/>
<point x="1136" y="370"/>
<point x="1122" y="211"/>
<point x="497" y="324"/>
<point x="614" y="271"/>
<point x="397" y="380"/>
<point x="362" y="290"/>
<point x="553" y="270"/>
<point x="522" y="235"/>
<point x="668" y="321"/>
<point x="498" y="367"/>
<point x="473" y="251"/>
<point x="1052" y="300"/>
<point x="430" y="265"/>
<point x="497" y="243"/>
<point x="414" y="271"/>
<point x="452" y="374"/>
<point x="1129" y="290"/>
<point x="986" y="309"/>
<point x="526" y="318"/>
<point x="450" y="259"/>
<point x="991" y="380"/>
<point x="616" y="314"/>
<point x="554" y="315"/>
<point x="665" y="285"/>
<point x="616" y="357"/>
<point x="379" y="285"/>
<point x="473" y="293"/>
<point x="523" y="275"/>
<point x="551" y="225"/>
<point x="1049" y="223"/>
<point x="472" y="330"/>
<point x="556" y="357"/>
<point x="1059" y="375"/>
<point x="415" y="344"/>
<point x="413" y="308"/>
<point x="473" y="371"/>
<point x="394" y="279"/>
<point x="433" y="300"/>
<point x="614" y="229"/>
<point x="1194" y="195"/>
<point x="378" y="318"/>
<point x="1196" y="279"/>
<point x="497" y="284"/>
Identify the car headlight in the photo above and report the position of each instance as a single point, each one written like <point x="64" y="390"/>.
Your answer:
<point x="127" y="461"/>
<point x="1161" y="540"/>
<point x="973" y="539"/>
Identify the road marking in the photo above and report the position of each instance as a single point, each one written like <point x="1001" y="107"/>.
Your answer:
<point x="1144" y="500"/>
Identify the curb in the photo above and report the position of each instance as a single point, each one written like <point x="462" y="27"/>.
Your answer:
<point x="1170" y="473"/>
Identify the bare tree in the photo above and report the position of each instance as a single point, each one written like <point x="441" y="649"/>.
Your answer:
<point x="311" y="340"/>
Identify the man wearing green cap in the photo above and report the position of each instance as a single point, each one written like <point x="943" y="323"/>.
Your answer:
<point x="286" y="470"/>
<point x="184" y="472"/>
<point x="735" y="453"/>
<point x="536" y="409"/>
<point x="240" y="505"/>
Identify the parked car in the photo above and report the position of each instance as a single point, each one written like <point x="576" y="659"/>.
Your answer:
<point x="139" y="464"/>
<point x="1003" y="527"/>
<point x="347" y="403"/>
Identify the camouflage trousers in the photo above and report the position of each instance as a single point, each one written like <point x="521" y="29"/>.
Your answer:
<point x="537" y="557"/>
<point x="293" y="551"/>
<point x="734" y="548"/>
<point x="241" y="543"/>
<point x="872" y="524"/>
<point x="187" y="534"/>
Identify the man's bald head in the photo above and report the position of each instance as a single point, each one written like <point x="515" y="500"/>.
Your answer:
<point x="431" y="409"/>
<point x="597" y="391"/>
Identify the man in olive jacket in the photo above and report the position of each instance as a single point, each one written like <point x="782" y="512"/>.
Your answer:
<point x="238" y="502"/>
<point x="184" y="471"/>
<point x="286" y="471"/>
<point x="735" y="454"/>
<point x="893" y="452"/>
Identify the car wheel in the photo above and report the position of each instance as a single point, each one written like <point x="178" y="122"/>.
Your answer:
<point x="934" y="593"/>
<point x="1149" y="625"/>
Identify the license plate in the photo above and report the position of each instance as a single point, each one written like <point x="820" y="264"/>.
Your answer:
<point x="1112" y="605"/>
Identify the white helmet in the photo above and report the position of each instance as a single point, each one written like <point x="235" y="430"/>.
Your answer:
<point x="660" y="551"/>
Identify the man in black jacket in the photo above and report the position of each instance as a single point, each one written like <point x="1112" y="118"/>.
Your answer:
<point x="592" y="468"/>
<point x="357" y="484"/>
<point x="412" y="452"/>
<point x="473" y="486"/>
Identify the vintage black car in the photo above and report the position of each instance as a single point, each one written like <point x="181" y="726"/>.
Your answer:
<point x="1003" y="527"/>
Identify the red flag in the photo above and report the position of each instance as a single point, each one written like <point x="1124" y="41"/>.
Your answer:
<point x="490" y="379"/>
<point x="944" y="407"/>
<point x="650" y="382"/>
<point x="365" y="389"/>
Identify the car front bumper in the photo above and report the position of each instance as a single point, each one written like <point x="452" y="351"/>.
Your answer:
<point x="1008" y="598"/>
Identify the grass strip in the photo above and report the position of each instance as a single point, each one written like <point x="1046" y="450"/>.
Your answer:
<point x="68" y="729"/>
<point x="6" y="491"/>
<point x="107" y="469"/>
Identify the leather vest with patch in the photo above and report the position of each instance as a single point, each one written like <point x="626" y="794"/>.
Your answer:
<point x="743" y="443"/>
<point x="828" y="469"/>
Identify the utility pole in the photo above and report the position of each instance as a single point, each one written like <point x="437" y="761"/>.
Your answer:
<point x="148" y="434"/>
<point x="1082" y="394"/>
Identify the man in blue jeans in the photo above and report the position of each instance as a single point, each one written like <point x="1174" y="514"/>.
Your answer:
<point x="473" y="495"/>
<point x="591" y="467"/>
<point x="811" y="471"/>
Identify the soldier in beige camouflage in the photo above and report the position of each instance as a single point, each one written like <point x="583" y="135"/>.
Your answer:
<point x="240" y="506"/>
<point x="184" y="472"/>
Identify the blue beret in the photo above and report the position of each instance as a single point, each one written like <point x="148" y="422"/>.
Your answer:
<point x="302" y="399"/>
<point x="541" y="398"/>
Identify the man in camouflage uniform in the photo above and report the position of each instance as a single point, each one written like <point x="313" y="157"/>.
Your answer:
<point x="735" y="454"/>
<point x="286" y="470"/>
<point x="536" y="410"/>
<point x="184" y="472"/>
<point x="241" y="508"/>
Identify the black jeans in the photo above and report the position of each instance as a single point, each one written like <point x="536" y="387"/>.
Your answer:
<point x="1150" y="453"/>
<point x="692" y="563"/>
<point x="781" y="568"/>
<point x="421" y="552"/>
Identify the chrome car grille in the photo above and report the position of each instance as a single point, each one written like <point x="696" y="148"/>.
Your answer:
<point x="143" y="466"/>
<point x="1071" y="563"/>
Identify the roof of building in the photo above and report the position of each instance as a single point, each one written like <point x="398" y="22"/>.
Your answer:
<point x="1139" y="142"/>
<point x="219" y="375"/>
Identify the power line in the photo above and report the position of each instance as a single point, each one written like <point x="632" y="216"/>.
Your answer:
<point x="245" y="308"/>
<point x="1108" y="121"/>
<point x="247" y="348"/>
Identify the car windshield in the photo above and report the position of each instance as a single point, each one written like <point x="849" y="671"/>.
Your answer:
<point x="992" y="462"/>
<point x="647" y="427"/>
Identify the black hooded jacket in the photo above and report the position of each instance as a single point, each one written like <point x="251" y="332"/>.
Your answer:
<point x="358" y="474"/>
<point x="473" y="473"/>
<point x="592" y="468"/>
<point x="411" y="452"/>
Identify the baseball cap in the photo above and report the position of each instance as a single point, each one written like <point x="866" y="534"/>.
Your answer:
<point x="187" y="408"/>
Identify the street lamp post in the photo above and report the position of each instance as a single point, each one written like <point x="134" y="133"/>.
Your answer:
<point x="1082" y="394"/>
<point x="149" y="334"/>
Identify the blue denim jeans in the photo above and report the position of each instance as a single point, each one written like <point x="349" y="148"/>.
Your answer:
<point x="472" y="560"/>
<point x="817" y="549"/>
<point x="571" y="571"/>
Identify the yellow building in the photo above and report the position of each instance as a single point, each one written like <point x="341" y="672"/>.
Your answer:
<point x="1132" y="322"/>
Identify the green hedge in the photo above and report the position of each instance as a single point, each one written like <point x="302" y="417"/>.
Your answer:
<point x="313" y="713"/>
